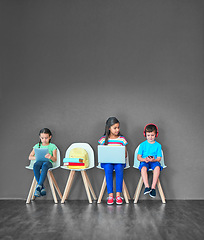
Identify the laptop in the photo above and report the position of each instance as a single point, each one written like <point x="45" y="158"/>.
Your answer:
<point x="40" y="154"/>
<point x="111" y="154"/>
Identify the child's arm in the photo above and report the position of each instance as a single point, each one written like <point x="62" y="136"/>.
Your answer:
<point x="139" y="158"/>
<point x="125" y="152"/>
<point x="32" y="155"/>
<point x="54" y="157"/>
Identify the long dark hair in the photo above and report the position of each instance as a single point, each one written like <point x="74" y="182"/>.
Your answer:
<point x="47" y="131"/>
<point x="110" y="122"/>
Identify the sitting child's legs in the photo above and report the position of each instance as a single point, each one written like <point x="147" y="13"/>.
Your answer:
<point x="36" y="169"/>
<point x="119" y="178"/>
<point x="156" y="173"/>
<point x="45" y="167"/>
<point x="40" y="177"/>
<point x="109" y="177"/>
<point x="144" y="174"/>
<point x="144" y="168"/>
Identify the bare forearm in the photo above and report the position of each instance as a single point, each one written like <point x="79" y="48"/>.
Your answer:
<point x="157" y="159"/>
<point x="31" y="158"/>
<point x="54" y="159"/>
<point x="32" y="155"/>
<point x="139" y="158"/>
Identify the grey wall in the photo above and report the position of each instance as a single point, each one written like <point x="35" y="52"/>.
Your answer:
<point x="69" y="65"/>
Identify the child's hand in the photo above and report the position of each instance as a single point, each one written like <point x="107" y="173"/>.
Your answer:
<point x="147" y="159"/>
<point x="48" y="156"/>
<point x="151" y="158"/>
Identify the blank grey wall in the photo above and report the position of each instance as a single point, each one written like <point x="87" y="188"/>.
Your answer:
<point x="69" y="65"/>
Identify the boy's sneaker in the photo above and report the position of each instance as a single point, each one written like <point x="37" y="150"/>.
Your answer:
<point x="37" y="191"/>
<point x="153" y="193"/>
<point x="43" y="192"/>
<point x="119" y="200"/>
<point x="147" y="190"/>
<point x="110" y="200"/>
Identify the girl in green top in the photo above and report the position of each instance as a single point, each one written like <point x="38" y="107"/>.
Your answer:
<point x="40" y="168"/>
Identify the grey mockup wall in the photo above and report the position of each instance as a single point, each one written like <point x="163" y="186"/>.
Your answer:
<point x="69" y="65"/>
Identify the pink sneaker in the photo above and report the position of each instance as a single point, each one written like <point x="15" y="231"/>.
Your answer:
<point x="110" y="200"/>
<point x="119" y="200"/>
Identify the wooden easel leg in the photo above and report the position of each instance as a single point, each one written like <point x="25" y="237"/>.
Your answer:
<point x="90" y="186"/>
<point x="138" y="189"/>
<point x="161" y="191"/>
<point x="32" y="189"/>
<point x="55" y="184"/>
<point x="52" y="187"/>
<point x="103" y="187"/>
<point x="86" y="186"/>
<point x="68" y="186"/>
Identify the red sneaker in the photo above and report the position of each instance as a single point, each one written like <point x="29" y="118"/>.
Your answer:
<point x="110" y="200"/>
<point x="119" y="200"/>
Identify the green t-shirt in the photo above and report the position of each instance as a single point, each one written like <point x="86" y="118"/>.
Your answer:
<point x="51" y="147"/>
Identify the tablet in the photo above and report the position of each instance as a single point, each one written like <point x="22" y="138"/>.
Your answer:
<point x="40" y="154"/>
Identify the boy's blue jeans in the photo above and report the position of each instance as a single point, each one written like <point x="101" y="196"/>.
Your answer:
<point x="43" y="166"/>
<point x="108" y="167"/>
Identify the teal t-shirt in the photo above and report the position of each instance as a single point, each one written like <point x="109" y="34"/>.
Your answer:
<point x="147" y="149"/>
<point x="51" y="147"/>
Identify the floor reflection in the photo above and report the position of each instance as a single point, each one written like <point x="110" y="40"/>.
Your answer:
<point x="81" y="220"/>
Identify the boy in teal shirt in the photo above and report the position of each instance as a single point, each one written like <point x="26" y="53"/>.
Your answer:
<point x="149" y="155"/>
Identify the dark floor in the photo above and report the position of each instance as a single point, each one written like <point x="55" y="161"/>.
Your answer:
<point x="81" y="220"/>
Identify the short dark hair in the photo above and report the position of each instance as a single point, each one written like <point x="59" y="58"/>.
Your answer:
<point x="151" y="128"/>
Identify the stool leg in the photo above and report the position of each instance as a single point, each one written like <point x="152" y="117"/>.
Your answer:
<point x="55" y="184"/>
<point x="125" y="192"/>
<point x="33" y="197"/>
<point x="32" y="188"/>
<point x="86" y="186"/>
<point x="138" y="189"/>
<point x="52" y="187"/>
<point x="90" y="186"/>
<point x="161" y="191"/>
<point x="68" y="186"/>
<point x="128" y="195"/>
<point x="103" y="187"/>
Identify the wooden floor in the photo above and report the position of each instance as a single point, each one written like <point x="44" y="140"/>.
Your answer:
<point x="81" y="220"/>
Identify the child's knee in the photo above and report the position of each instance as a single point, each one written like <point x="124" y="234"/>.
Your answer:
<point x="157" y="168"/>
<point x="37" y="165"/>
<point x="46" y="165"/>
<point x="144" y="169"/>
<point x="119" y="168"/>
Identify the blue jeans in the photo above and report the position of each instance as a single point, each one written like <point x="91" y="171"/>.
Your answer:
<point x="43" y="166"/>
<point x="108" y="167"/>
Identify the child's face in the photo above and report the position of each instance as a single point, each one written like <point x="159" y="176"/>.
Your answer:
<point x="45" y="138"/>
<point x="115" y="129"/>
<point x="151" y="136"/>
